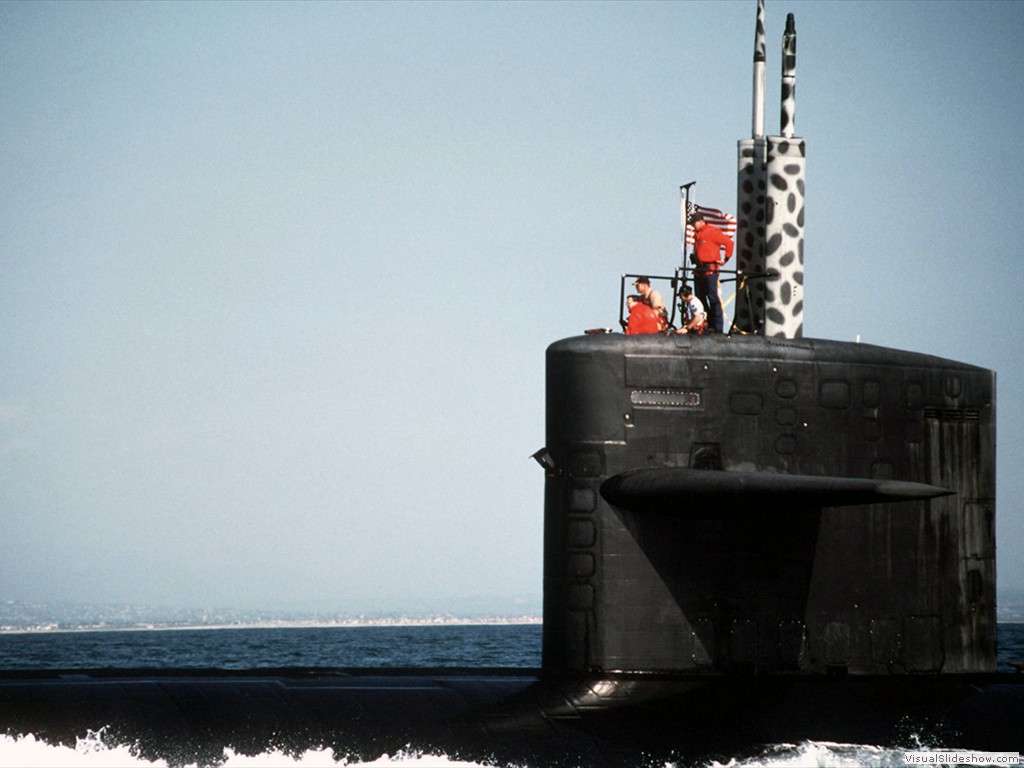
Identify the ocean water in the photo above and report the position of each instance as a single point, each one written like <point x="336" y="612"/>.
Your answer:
<point x="444" y="645"/>
<point x="439" y="645"/>
<point x="478" y="646"/>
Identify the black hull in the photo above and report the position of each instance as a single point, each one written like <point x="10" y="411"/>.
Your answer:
<point x="508" y="716"/>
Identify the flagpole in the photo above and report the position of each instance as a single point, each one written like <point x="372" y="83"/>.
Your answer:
<point x="684" y="217"/>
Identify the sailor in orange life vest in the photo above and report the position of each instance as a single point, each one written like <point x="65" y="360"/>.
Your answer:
<point x="642" y="316"/>
<point x="708" y="240"/>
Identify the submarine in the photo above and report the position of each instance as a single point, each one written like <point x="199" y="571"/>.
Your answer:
<point x="750" y="538"/>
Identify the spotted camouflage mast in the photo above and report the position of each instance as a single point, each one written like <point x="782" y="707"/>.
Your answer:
<point x="750" y="200"/>
<point x="770" y="205"/>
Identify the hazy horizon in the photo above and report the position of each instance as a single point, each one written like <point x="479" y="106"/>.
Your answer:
<point x="277" y="279"/>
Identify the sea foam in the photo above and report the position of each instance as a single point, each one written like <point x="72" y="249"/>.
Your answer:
<point x="92" y="751"/>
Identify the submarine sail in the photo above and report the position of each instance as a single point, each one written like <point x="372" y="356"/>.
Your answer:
<point x="762" y="502"/>
<point x="724" y="504"/>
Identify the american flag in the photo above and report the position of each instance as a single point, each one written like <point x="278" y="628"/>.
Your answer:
<point x="724" y="221"/>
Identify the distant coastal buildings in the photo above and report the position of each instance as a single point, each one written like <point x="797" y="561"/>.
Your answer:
<point x="1010" y="607"/>
<point x="19" y="616"/>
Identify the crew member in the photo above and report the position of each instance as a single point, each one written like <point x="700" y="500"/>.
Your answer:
<point x="708" y="242"/>
<point x="642" y="317"/>
<point x="695" y="319"/>
<point x="653" y="298"/>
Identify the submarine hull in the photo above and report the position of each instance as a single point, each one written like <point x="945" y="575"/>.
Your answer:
<point x="506" y="716"/>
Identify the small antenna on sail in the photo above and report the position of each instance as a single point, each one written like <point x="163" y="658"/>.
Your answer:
<point x="789" y="78"/>
<point x="759" y="73"/>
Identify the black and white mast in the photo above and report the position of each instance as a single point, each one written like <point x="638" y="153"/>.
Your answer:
<point x="770" y="206"/>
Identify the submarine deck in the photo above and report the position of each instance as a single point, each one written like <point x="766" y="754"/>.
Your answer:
<point x="508" y="715"/>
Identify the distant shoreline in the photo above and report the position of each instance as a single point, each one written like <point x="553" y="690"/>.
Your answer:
<point x="356" y="623"/>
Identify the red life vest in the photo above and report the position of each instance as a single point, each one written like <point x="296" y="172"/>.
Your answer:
<point x="643" y="319"/>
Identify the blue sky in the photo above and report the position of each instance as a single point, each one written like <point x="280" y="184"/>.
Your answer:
<point x="276" y="280"/>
